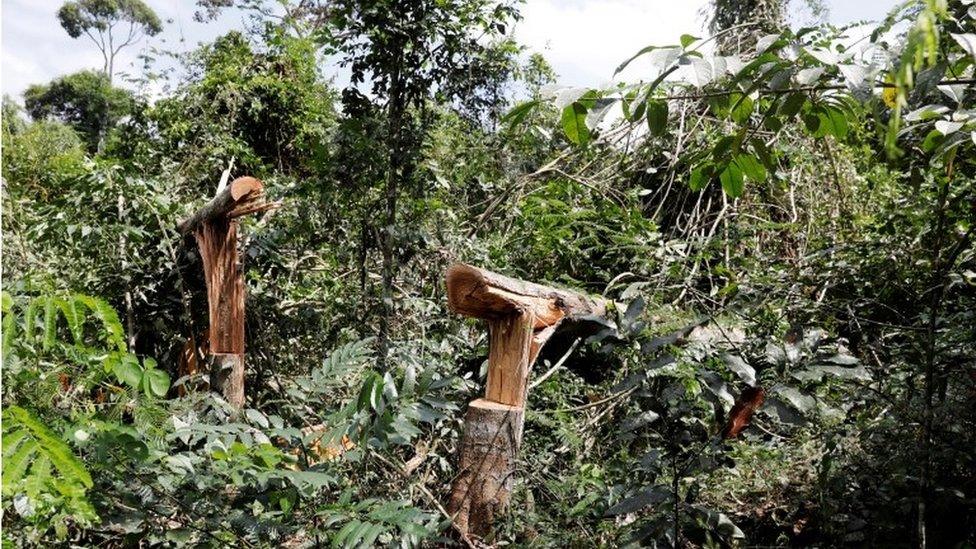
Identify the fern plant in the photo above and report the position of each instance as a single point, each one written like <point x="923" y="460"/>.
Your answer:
<point x="78" y="311"/>
<point x="47" y="482"/>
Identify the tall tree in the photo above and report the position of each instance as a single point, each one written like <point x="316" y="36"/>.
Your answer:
<point x="85" y="100"/>
<point x="408" y="53"/>
<point x="111" y="24"/>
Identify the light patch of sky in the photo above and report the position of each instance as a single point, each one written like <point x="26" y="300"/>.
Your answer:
<point x="584" y="40"/>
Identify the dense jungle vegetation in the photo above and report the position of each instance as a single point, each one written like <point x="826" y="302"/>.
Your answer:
<point x="783" y="218"/>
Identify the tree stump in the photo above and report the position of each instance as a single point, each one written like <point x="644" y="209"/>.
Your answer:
<point x="486" y="466"/>
<point x="521" y="317"/>
<point x="214" y="226"/>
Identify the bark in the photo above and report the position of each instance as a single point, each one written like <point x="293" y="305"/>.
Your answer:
<point x="396" y="110"/>
<point x="483" y="488"/>
<point x="227" y="377"/>
<point x="130" y="318"/>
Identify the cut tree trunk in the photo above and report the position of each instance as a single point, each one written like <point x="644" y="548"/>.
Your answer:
<point x="214" y="226"/>
<point x="486" y="465"/>
<point x="521" y="317"/>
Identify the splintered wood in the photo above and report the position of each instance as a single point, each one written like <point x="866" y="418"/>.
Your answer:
<point x="214" y="226"/>
<point x="217" y="240"/>
<point x="521" y="317"/>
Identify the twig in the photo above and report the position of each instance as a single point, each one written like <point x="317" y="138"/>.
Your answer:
<point x="558" y="364"/>
<point x="429" y="495"/>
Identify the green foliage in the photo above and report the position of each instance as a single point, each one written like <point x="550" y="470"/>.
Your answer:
<point x="86" y="101"/>
<point x="85" y="16"/>
<point x="30" y="450"/>
<point x="41" y="155"/>
<point x="267" y="108"/>
<point x="832" y="275"/>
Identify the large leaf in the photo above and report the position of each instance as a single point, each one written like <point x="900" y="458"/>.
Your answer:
<point x="833" y="122"/>
<point x="657" y="117"/>
<point x="751" y="167"/>
<point x="650" y="495"/>
<point x="515" y="116"/>
<point x="740" y="368"/>
<point x="731" y="178"/>
<point x="128" y="370"/>
<point x="574" y="123"/>
<point x="157" y="382"/>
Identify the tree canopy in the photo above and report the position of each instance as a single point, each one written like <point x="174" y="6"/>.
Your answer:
<point x="111" y="24"/>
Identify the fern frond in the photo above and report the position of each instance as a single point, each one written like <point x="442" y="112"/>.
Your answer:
<point x="9" y="324"/>
<point x="30" y="316"/>
<point x="41" y="439"/>
<point x="74" y="316"/>
<point x="342" y="361"/>
<point x="50" y="322"/>
<point x="115" y="333"/>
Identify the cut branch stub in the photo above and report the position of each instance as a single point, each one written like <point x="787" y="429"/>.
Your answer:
<point x="512" y="308"/>
<point x="214" y="226"/>
<point x="243" y="196"/>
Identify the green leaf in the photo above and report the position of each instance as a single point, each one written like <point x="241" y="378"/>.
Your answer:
<point x="792" y="104"/>
<point x="731" y="178"/>
<point x="73" y="315"/>
<point x="832" y="122"/>
<point x="15" y="467"/>
<point x="742" y="109"/>
<point x="700" y="177"/>
<point x="687" y="40"/>
<point x="518" y="113"/>
<point x="128" y="370"/>
<point x="649" y="495"/>
<point x="623" y="65"/>
<point x="158" y="382"/>
<point x="812" y="122"/>
<point x="114" y="332"/>
<point x="60" y="454"/>
<point x="657" y="117"/>
<point x="50" y="322"/>
<point x="9" y="325"/>
<point x="751" y="167"/>
<point x="722" y="147"/>
<point x="574" y="124"/>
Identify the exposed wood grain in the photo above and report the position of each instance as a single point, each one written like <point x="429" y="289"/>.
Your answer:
<point x="217" y="240"/>
<point x="522" y="317"/>
<point x="243" y="196"/>
<point x="509" y="358"/>
<point x="483" y="294"/>
<point x="214" y="226"/>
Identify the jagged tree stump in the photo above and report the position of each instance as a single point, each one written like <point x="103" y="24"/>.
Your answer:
<point x="521" y="316"/>
<point x="214" y="226"/>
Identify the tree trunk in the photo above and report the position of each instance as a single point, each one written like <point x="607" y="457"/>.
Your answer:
<point x="486" y="466"/>
<point x="395" y="119"/>
<point x="227" y="377"/>
<point x="522" y="317"/>
<point x="130" y="319"/>
<point x="215" y="228"/>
